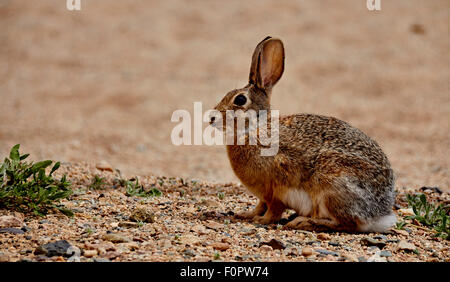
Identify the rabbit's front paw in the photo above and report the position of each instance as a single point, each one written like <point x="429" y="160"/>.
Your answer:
<point x="246" y="215"/>
<point x="263" y="219"/>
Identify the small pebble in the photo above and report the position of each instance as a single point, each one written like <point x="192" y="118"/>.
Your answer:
<point x="90" y="253"/>
<point x="326" y="252"/>
<point x="11" y="230"/>
<point x="323" y="236"/>
<point x="58" y="248"/>
<point x="144" y="215"/>
<point x="403" y="245"/>
<point x="385" y="254"/>
<point x="266" y="248"/>
<point x="221" y="246"/>
<point x="116" y="238"/>
<point x="104" y="165"/>
<point x="10" y="221"/>
<point x="189" y="253"/>
<point x="307" y="251"/>
<point x="275" y="244"/>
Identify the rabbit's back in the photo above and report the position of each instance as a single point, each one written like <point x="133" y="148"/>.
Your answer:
<point x="309" y="137"/>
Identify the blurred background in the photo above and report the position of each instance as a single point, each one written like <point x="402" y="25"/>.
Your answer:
<point x="102" y="83"/>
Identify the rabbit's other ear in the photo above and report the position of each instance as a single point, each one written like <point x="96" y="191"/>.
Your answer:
<point x="255" y="62"/>
<point x="267" y="63"/>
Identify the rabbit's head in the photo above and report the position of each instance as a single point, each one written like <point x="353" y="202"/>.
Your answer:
<point x="265" y="71"/>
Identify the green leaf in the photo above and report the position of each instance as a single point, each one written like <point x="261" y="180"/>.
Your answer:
<point x="55" y="167"/>
<point x="155" y="192"/>
<point x="14" y="154"/>
<point x="43" y="164"/>
<point x="423" y="199"/>
<point x="24" y="156"/>
<point x="66" y="212"/>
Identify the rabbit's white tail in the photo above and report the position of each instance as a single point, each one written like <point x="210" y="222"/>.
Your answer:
<point x="379" y="224"/>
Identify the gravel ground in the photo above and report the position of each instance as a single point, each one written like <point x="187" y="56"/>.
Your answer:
<point x="103" y="82"/>
<point x="192" y="221"/>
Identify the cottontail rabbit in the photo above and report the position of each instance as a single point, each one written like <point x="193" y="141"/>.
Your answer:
<point x="333" y="175"/>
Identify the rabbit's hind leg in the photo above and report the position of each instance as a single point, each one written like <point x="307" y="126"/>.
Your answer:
<point x="312" y="224"/>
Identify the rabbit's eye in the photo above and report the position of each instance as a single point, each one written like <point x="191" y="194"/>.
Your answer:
<point x="240" y="100"/>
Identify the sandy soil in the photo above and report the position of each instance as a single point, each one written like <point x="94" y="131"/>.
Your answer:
<point x="194" y="221"/>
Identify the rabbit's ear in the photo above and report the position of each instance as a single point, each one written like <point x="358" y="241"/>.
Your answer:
<point x="255" y="62"/>
<point x="267" y="63"/>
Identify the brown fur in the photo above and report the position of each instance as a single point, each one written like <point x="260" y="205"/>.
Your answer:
<point x="345" y="173"/>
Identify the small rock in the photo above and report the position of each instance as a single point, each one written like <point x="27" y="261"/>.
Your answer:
<point x="10" y="221"/>
<point x="101" y="260"/>
<point x="367" y="241"/>
<point x="101" y="248"/>
<point x="25" y="229"/>
<point x="11" y="230"/>
<point x="403" y="245"/>
<point x="432" y="189"/>
<point x="326" y="252"/>
<point x="210" y="203"/>
<point x="144" y="215"/>
<point x="401" y="232"/>
<point x="73" y="251"/>
<point x="377" y="258"/>
<point x="74" y="259"/>
<point x="275" y="244"/>
<point x="104" y="165"/>
<point x="116" y="238"/>
<point x="385" y="254"/>
<point x="347" y="248"/>
<point x="41" y="258"/>
<point x="200" y="229"/>
<point x="164" y="243"/>
<point x="291" y="251"/>
<point x="351" y="258"/>
<point x="90" y="253"/>
<point x="189" y="239"/>
<point x="266" y="248"/>
<point x="307" y="251"/>
<point x="247" y="231"/>
<point x="220" y="246"/>
<point x="132" y="246"/>
<point x="373" y="249"/>
<point x="4" y="258"/>
<point x="362" y="259"/>
<point x="323" y="236"/>
<point x="334" y="244"/>
<point x="380" y="237"/>
<point x="214" y="225"/>
<point x="58" y="259"/>
<point x="392" y="241"/>
<point x="112" y="255"/>
<point x="58" y="248"/>
<point x="128" y="224"/>
<point x="189" y="253"/>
